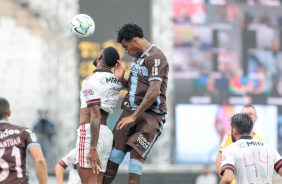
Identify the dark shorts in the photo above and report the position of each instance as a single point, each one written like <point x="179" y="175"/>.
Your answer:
<point x="140" y="135"/>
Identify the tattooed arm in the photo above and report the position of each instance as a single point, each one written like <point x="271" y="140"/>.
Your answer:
<point x="95" y="121"/>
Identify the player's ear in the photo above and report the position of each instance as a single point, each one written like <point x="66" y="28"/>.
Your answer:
<point x="256" y="118"/>
<point x="100" y="56"/>
<point x="234" y="132"/>
<point x="9" y="113"/>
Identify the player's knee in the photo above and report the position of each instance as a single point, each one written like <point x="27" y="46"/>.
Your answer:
<point x="117" y="156"/>
<point x="135" y="167"/>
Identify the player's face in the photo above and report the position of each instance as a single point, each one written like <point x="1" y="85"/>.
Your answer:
<point x="130" y="47"/>
<point x="251" y="112"/>
<point x="95" y="62"/>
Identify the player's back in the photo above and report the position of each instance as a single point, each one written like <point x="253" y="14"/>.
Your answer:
<point x="100" y="87"/>
<point x="254" y="161"/>
<point x="13" y="144"/>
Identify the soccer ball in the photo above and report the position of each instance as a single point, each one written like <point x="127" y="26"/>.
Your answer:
<point x="82" y="26"/>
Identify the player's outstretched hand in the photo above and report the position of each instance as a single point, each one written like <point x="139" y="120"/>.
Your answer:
<point x="119" y="70"/>
<point x="125" y="121"/>
<point x="93" y="158"/>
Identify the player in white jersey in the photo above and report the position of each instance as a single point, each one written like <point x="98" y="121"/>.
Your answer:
<point x="251" y="161"/>
<point x="67" y="162"/>
<point x="99" y="94"/>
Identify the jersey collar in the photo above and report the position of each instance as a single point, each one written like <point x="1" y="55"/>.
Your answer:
<point x="246" y="137"/>
<point x="3" y="121"/>
<point x="140" y="60"/>
<point x="146" y="51"/>
<point x="102" y="70"/>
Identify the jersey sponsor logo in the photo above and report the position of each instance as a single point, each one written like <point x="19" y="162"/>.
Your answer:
<point x="104" y="80"/>
<point x="137" y="69"/>
<point x="254" y="143"/>
<point x="128" y="104"/>
<point x="8" y="132"/>
<point x="10" y="142"/>
<point x="143" y="141"/>
<point x="88" y="91"/>
<point x="242" y="145"/>
<point x="223" y="157"/>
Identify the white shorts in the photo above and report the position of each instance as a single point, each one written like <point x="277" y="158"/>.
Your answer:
<point x="104" y="145"/>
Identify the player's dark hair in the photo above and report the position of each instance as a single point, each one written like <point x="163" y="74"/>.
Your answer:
<point x="110" y="56"/>
<point x="4" y="107"/>
<point x="128" y="31"/>
<point x="242" y="122"/>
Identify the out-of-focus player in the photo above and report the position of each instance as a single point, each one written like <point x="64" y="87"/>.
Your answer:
<point x="14" y="142"/>
<point x="67" y="162"/>
<point x="251" y="161"/>
<point x="144" y="106"/>
<point x="229" y="139"/>
<point x="99" y="94"/>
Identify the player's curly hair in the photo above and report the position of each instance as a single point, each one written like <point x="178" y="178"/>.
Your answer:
<point x="110" y="56"/>
<point x="128" y="31"/>
<point x="242" y="122"/>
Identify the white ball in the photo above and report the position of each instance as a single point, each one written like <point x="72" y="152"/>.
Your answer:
<point x="82" y="26"/>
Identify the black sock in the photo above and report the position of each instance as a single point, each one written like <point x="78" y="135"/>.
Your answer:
<point x="110" y="173"/>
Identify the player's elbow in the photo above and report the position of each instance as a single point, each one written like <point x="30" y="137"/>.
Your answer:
<point x="154" y="93"/>
<point x="58" y="168"/>
<point x="40" y="161"/>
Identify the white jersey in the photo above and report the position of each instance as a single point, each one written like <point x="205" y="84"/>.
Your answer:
<point x="100" y="88"/>
<point x="68" y="162"/>
<point x="252" y="161"/>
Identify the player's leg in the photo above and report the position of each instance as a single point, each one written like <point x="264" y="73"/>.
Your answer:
<point x="105" y="143"/>
<point x="100" y="177"/>
<point x="87" y="176"/>
<point x="84" y="168"/>
<point x="135" y="167"/>
<point x="148" y="128"/>
<point x="118" y="151"/>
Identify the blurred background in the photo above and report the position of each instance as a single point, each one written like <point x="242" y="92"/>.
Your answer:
<point x="222" y="54"/>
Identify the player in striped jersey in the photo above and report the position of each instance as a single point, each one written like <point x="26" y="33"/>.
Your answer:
<point x="99" y="94"/>
<point x="251" y="161"/>
<point x="228" y="139"/>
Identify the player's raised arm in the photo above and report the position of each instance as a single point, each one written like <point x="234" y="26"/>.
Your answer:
<point x="119" y="74"/>
<point x="40" y="163"/>
<point x="150" y="97"/>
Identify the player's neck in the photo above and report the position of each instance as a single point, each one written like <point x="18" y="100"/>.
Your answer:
<point x="145" y="44"/>
<point x="5" y="119"/>
<point x="242" y="135"/>
<point x="103" y="67"/>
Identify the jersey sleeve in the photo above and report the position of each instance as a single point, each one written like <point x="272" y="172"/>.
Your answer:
<point x="158" y="69"/>
<point x="228" y="160"/>
<point x="68" y="159"/>
<point x="277" y="161"/>
<point x="91" y="94"/>
<point x="30" y="138"/>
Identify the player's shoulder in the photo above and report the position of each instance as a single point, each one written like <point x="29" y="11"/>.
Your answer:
<point x="156" y="53"/>
<point x="15" y="127"/>
<point x="257" y="137"/>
